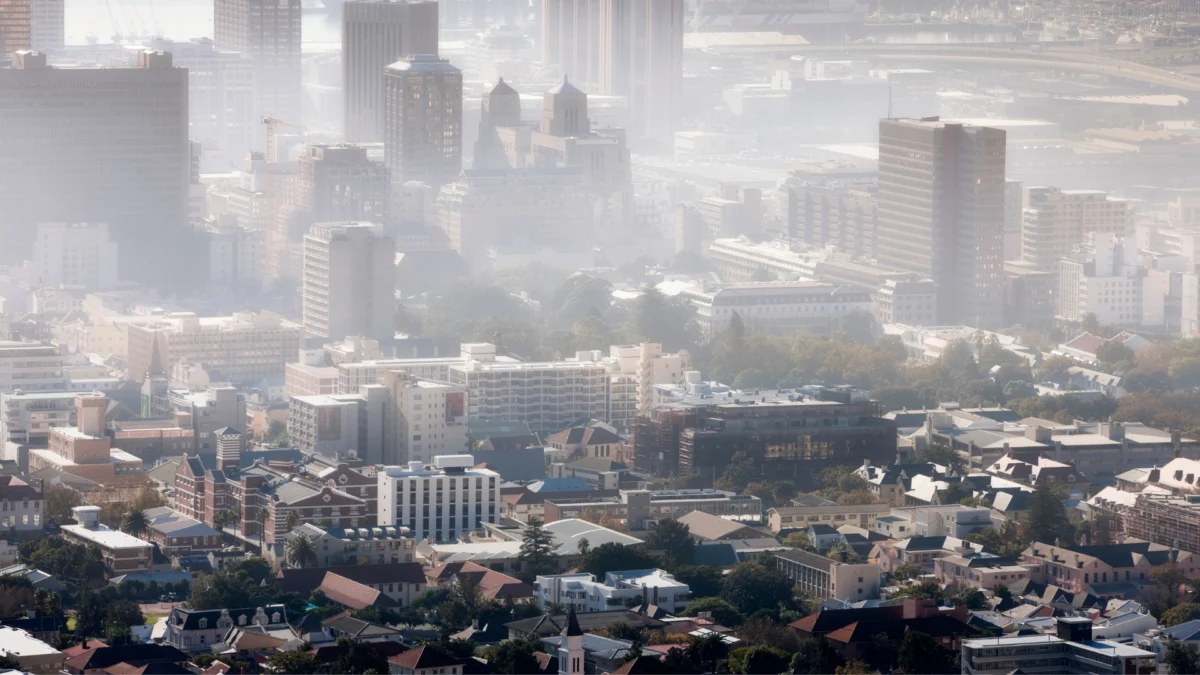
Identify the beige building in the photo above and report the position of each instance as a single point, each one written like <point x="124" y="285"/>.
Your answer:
<point x="302" y="379"/>
<point x="1054" y="221"/>
<point x="245" y="347"/>
<point x="376" y="34"/>
<point x="781" y="518"/>
<point x="84" y="450"/>
<point x="422" y="128"/>
<point x="941" y="213"/>
<point x="424" y="419"/>
<point x="30" y="367"/>
<point x="823" y="578"/>
<point x="348" y="281"/>
<point x="979" y="572"/>
<point x="547" y="395"/>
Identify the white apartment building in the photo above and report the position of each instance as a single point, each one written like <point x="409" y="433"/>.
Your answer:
<point x="26" y="418"/>
<point x="354" y="375"/>
<point x="441" y="501"/>
<point x="245" y="347"/>
<point x="80" y="255"/>
<point x="1104" y="279"/>
<point x="30" y="367"/>
<point x="779" y="306"/>
<point x="424" y="419"/>
<point x="549" y="396"/>
<point x="636" y="370"/>
<point x="1055" y="221"/>
<point x="617" y="591"/>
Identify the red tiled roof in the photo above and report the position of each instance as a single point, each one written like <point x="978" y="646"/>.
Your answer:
<point x="217" y="668"/>
<point x="86" y="646"/>
<point x="423" y="657"/>
<point x="642" y="665"/>
<point x="350" y="593"/>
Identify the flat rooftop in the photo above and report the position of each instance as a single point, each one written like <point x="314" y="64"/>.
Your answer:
<point x="105" y="537"/>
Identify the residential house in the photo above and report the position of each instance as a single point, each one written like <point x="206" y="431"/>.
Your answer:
<point x="198" y="630"/>
<point x="890" y="483"/>
<point x="984" y="572"/>
<point x="854" y="632"/>
<point x="591" y="441"/>
<point x="135" y="657"/>
<point x="1125" y="566"/>
<point x="492" y="585"/>
<point x="21" y="505"/>
<point x="425" y="660"/>
<point x="1034" y="469"/>
<point x="785" y="518"/>
<point x="919" y="551"/>
<point x="400" y="582"/>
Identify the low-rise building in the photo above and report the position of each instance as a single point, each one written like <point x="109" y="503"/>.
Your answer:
<point x="27" y="417"/>
<point x="782" y="518"/>
<point x="122" y="552"/>
<point x="195" y="631"/>
<point x="22" y="506"/>
<point x="31" y="654"/>
<point x="919" y="551"/>
<point x="176" y="534"/>
<point x="401" y="583"/>
<point x="823" y="578"/>
<point x="998" y="656"/>
<point x="949" y="520"/>
<point x="584" y="593"/>
<point x="1079" y="568"/>
<point x="779" y="306"/>
<point x="980" y="571"/>
<point x="356" y="545"/>
<point x="639" y="509"/>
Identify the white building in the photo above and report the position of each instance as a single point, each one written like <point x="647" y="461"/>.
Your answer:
<point x="636" y="370"/>
<point x="30" y="367"/>
<point x="345" y="424"/>
<point x="439" y="502"/>
<point x="33" y="655"/>
<point x="122" y="553"/>
<point x="617" y="591"/>
<point x="779" y="306"/>
<point x="236" y="255"/>
<point x="26" y="418"/>
<point x="549" y="395"/>
<point x="80" y="255"/>
<point x="1055" y="221"/>
<point x="48" y="27"/>
<point x="1104" y="279"/>
<point x="424" y="419"/>
<point x="244" y="348"/>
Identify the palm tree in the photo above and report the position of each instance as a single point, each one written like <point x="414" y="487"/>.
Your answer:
<point x="584" y="547"/>
<point x="301" y="552"/>
<point x="135" y="522"/>
<point x="293" y="519"/>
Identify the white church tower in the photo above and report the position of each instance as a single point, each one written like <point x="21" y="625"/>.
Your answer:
<point x="570" y="650"/>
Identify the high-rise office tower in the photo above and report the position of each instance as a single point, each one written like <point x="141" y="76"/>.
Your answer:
<point x="630" y="48"/>
<point x="99" y="145"/>
<point x="268" y="33"/>
<point x="423" y="126"/>
<point x="15" y="28"/>
<point x="941" y="212"/>
<point x="349" y="281"/>
<point x="339" y="182"/>
<point x="48" y="24"/>
<point x="375" y="34"/>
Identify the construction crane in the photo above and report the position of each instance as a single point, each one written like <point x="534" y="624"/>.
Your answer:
<point x="271" y="123"/>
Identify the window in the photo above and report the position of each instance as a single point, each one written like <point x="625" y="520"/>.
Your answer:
<point x="203" y="623"/>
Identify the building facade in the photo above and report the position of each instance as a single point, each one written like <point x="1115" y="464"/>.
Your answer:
<point x="941" y="212"/>
<point x="824" y="578"/>
<point x="1054" y="221"/>
<point x="268" y="33"/>
<point x="376" y="34"/>
<point x="422" y="128"/>
<point x="348" y="281"/>
<point x="245" y="347"/>
<point x="440" y="502"/>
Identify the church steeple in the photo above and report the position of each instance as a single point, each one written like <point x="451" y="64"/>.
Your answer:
<point x="156" y="364"/>
<point x="155" y="386"/>
<point x="570" y="649"/>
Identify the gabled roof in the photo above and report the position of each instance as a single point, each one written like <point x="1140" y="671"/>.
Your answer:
<point x="597" y="465"/>
<point x="584" y="436"/>
<point x="13" y="489"/>
<point x="351" y="593"/>
<point x="424" y="657"/>
<point x="642" y="665"/>
<point x="134" y="654"/>
<point x="304" y="580"/>
<point x="715" y="528"/>
<point x="547" y="625"/>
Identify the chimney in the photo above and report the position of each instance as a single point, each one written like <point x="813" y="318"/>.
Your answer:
<point x="1176" y="442"/>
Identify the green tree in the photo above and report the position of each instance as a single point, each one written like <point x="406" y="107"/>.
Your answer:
<point x="297" y="662"/>
<point x="135" y="523"/>
<point x="928" y="590"/>
<point x="751" y="587"/>
<point x="293" y="519"/>
<point x="798" y="539"/>
<point x="1180" y="614"/>
<point x="738" y="473"/>
<point x="672" y="538"/>
<point x="706" y="651"/>
<point x="614" y="557"/>
<point x="1048" y="521"/>
<point x="514" y="657"/>
<point x="300" y="551"/>
<point x="538" y="555"/>
<point x="817" y="656"/>
<point x="704" y="581"/>
<point x="906" y="571"/>
<point x="1181" y="658"/>
<point x="59" y="502"/>
<point x="758" y="659"/>
<point x="920" y="653"/>
<point x="77" y="565"/>
<point x="722" y="612"/>
<point x="1114" y="356"/>
<point x="359" y="657"/>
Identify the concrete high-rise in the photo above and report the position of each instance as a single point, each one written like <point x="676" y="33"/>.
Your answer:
<point x="47" y="24"/>
<point x="15" y="26"/>
<point x="268" y="33"/>
<point x="339" y="183"/>
<point x="376" y="34"/>
<point x="423" y="125"/>
<point x="941" y="213"/>
<point x="349" y="281"/>
<point x="98" y="145"/>
<point x="630" y="48"/>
